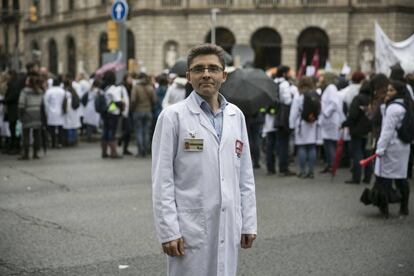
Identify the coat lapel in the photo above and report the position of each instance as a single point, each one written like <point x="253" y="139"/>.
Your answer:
<point x="196" y="110"/>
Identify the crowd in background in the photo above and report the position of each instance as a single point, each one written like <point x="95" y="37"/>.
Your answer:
<point x="311" y="115"/>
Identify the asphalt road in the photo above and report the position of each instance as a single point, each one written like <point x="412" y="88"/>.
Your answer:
<point x="72" y="213"/>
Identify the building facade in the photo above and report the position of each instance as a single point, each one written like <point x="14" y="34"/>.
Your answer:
<point x="70" y="36"/>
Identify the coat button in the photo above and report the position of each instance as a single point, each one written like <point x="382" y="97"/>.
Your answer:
<point x="222" y="209"/>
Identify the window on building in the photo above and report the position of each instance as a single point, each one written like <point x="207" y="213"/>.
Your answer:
<point x="104" y="2"/>
<point x="220" y="3"/>
<point x="71" y="5"/>
<point x="266" y="43"/>
<point x="53" y="56"/>
<point x="170" y="3"/>
<point x="224" y="38"/>
<point x="16" y="6"/>
<point x="71" y="56"/>
<point x="309" y="41"/>
<point x="103" y="47"/>
<point x="4" y="8"/>
<point x="52" y="7"/>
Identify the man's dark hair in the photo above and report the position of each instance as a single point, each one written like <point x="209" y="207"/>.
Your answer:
<point x="108" y="79"/>
<point x="397" y="73"/>
<point x="282" y="70"/>
<point x="206" y="49"/>
<point x="30" y="66"/>
<point x="57" y="80"/>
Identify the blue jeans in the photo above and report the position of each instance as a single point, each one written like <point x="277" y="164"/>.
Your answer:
<point x="307" y="153"/>
<point x="109" y="127"/>
<point x="142" y="125"/>
<point x="270" y="151"/>
<point x="282" y="141"/>
<point x="359" y="152"/>
<point x="253" y="131"/>
<point x="329" y="147"/>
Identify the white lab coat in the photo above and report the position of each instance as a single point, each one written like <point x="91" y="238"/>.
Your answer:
<point x="394" y="163"/>
<point x="175" y="92"/>
<point x="305" y="133"/>
<point x="71" y="119"/>
<point x="91" y="117"/>
<point x="81" y="87"/>
<point x="206" y="197"/>
<point x="347" y="95"/>
<point x="53" y="101"/>
<point x="331" y="116"/>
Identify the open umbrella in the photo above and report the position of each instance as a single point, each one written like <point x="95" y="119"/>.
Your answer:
<point x="179" y="68"/>
<point x="249" y="89"/>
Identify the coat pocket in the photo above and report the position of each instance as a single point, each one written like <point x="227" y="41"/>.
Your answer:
<point x="192" y="227"/>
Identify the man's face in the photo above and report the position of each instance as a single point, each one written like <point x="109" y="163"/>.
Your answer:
<point x="206" y="75"/>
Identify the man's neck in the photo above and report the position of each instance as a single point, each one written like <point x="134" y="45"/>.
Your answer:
<point x="213" y="101"/>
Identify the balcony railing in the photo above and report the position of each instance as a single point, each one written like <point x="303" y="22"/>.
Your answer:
<point x="266" y="3"/>
<point x="220" y="3"/>
<point x="171" y="3"/>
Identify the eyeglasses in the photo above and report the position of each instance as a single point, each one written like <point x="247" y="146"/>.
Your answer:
<point x="213" y="69"/>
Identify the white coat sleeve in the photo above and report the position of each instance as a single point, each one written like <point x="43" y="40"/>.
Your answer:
<point x="285" y="94"/>
<point x="166" y="100"/>
<point x="164" y="148"/>
<point x="388" y="131"/>
<point x="294" y="112"/>
<point x="247" y="187"/>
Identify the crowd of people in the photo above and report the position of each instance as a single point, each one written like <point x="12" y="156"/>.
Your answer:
<point x="311" y="115"/>
<point x="364" y="116"/>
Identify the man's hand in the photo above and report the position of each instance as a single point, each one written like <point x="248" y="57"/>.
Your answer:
<point x="247" y="240"/>
<point x="174" y="248"/>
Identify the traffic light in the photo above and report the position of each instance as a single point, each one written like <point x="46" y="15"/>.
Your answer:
<point x="33" y="13"/>
<point x="112" y="27"/>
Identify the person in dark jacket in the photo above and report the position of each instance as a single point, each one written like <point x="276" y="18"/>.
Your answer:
<point x="11" y="99"/>
<point x="359" y="127"/>
<point x="30" y="104"/>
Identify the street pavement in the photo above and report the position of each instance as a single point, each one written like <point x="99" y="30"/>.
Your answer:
<point x="73" y="213"/>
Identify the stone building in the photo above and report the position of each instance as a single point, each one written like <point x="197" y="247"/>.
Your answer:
<point x="70" y="36"/>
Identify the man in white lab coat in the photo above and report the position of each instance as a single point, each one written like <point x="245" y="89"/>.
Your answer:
<point x="203" y="186"/>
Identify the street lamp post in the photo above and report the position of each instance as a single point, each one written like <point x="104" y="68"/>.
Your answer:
<point x="213" y="24"/>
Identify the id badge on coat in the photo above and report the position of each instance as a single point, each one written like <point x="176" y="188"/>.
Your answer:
<point x="192" y="144"/>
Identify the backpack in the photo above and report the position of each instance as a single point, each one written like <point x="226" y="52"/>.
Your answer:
<point x="75" y="101"/>
<point x="100" y="103"/>
<point x="406" y="131"/>
<point x="311" y="107"/>
<point x="84" y="99"/>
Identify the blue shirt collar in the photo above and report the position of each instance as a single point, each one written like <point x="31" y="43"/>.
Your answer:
<point x="201" y="102"/>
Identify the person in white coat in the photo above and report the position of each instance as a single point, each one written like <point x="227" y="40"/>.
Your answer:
<point x="331" y="118"/>
<point x="393" y="153"/>
<point x="91" y="117"/>
<point x="53" y="101"/>
<point x="202" y="177"/>
<point x="306" y="131"/>
<point x="71" y="116"/>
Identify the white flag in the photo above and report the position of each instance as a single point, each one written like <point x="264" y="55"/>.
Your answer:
<point x="388" y="53"/>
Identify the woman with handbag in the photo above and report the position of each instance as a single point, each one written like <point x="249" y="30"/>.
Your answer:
<point x="393" y="153"/>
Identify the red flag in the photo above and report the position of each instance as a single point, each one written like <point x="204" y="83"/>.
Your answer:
<point x="302" y="67"/>
<point x="315" y="60"/>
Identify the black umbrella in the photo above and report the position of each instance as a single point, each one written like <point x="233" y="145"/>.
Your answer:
<point x="179" y="68"/>
<point x="249" y="89"/>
